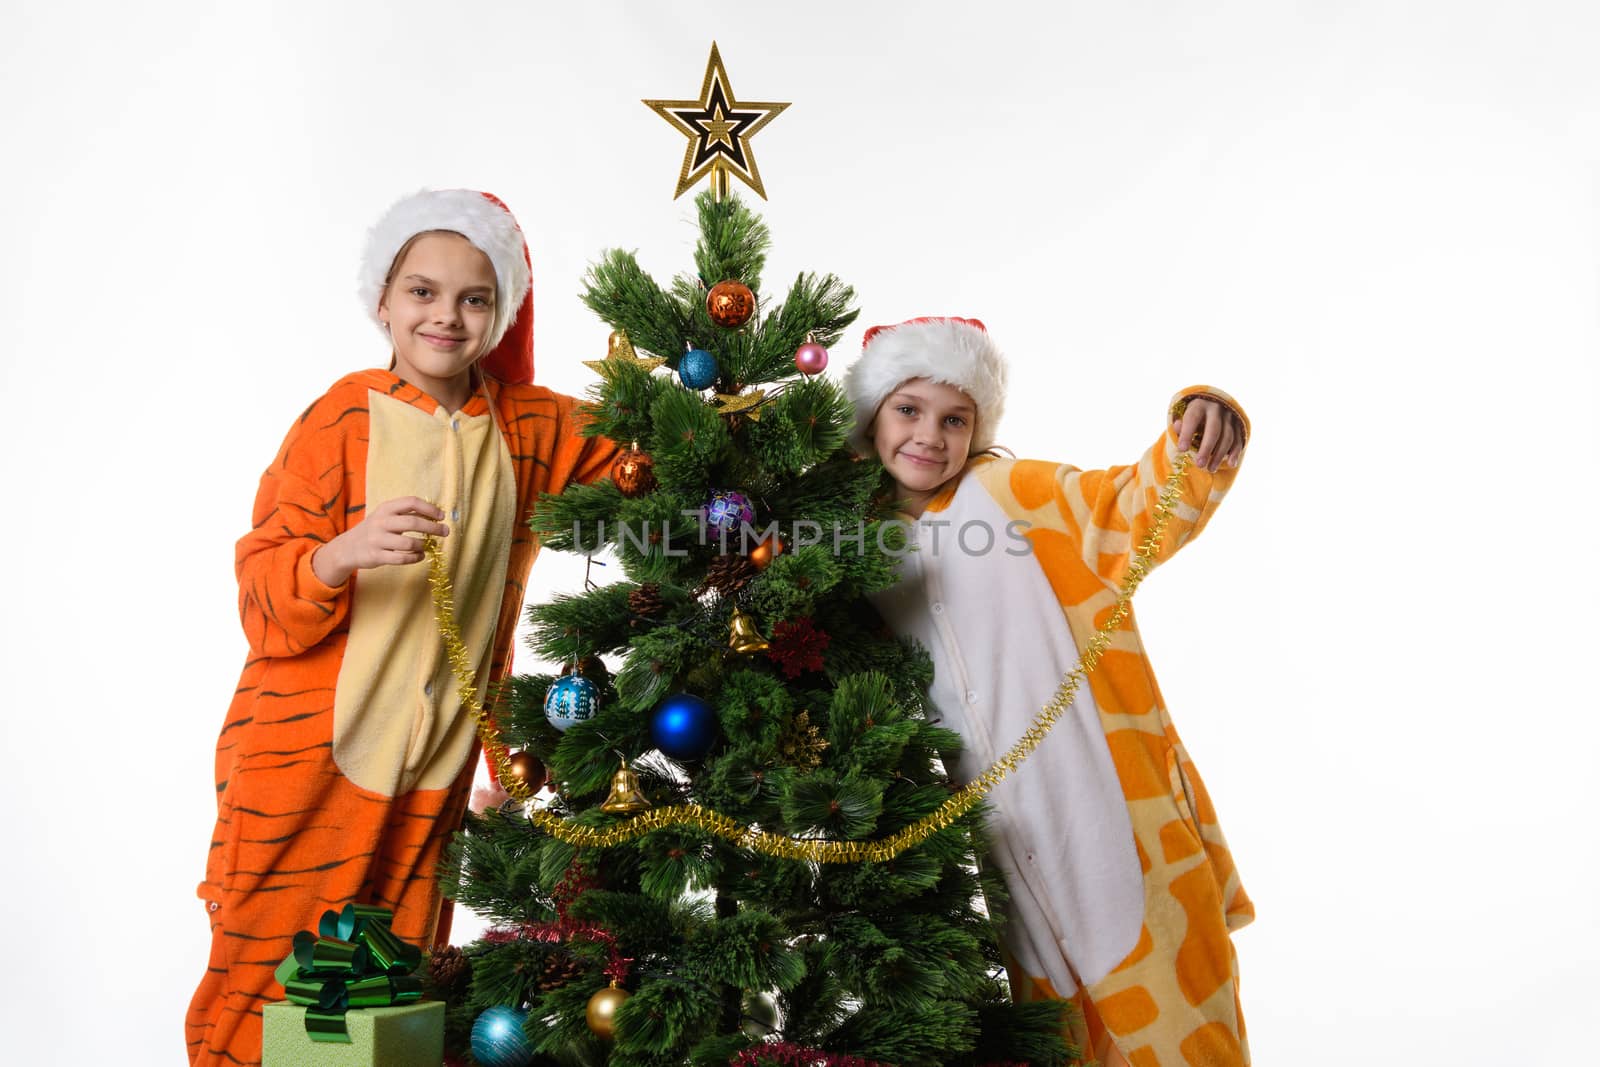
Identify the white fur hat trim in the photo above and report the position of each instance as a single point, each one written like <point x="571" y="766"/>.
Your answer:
<point x="486" y="223"/>
<point x="951" y="351"/>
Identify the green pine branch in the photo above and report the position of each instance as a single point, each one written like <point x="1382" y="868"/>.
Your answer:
<point x="803" y="425"/>
<point x="618" y="290"/>
<point x="733" y="241"/>
<point x="816" y="309"/>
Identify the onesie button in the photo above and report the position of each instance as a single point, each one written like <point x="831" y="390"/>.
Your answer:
<point x="972" y="696"/>
<point x="938" y="608"/>
<point x="428" y="689"/>
<point x="455" y="424"/>
<point x="455" y="514"/>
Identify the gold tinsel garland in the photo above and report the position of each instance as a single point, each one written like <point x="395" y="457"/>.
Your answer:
<point x="813" y="850"/>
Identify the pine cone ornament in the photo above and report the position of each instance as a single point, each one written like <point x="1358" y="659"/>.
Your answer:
<point x="448" y="967"/>
<point x="559" y="969"/>
<point x="728" y="574"/>
<point x="646" y="601"/>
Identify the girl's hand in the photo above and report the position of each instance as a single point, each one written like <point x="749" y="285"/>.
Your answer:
<point x="1212" y="429"/>
<point x="382" y="539"/>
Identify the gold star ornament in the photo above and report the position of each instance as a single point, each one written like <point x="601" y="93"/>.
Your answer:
<point x="719" y="128"/>
<point x="620" y="350"/>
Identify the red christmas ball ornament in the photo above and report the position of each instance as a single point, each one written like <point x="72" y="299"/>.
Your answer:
<point x="766" y="552"/>
<point x="634" y="473"/>
<point x="527" y="769"/>
<point x="730" y="304"/>
<point x="811" y="358"/>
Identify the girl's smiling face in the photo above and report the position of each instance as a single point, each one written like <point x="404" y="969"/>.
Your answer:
<point x="439" y="307"/>
<point x="922" y="432"/>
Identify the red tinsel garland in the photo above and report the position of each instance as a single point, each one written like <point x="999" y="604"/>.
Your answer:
<point x="787" y="1055"/>
<point x="798" y="646"/>
<point x="562" y="931"/>
<point x="574" y="882"/>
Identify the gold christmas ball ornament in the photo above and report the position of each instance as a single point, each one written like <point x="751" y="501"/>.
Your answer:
<point x="730" y="304"/>
<point x="602" y="1013"/>
<point x="766" y="552"/>
<point x="634" y="472"/>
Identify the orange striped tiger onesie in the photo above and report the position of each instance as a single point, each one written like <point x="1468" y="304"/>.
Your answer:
<point x="1123" y="891"/>
<point x="345" y="760"/>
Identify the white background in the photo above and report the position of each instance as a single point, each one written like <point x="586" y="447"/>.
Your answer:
<point x="1374" y="223"/>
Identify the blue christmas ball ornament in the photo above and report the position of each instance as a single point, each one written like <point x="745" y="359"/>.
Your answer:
<point x="498" y="1040"/>
<point x="684" y="727"/>
<point x="697" y="369"/>
<point x="571" y="698"/>
<point x="725" y="511"/>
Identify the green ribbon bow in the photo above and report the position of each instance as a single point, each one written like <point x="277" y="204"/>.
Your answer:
<point x="356" y="962"/>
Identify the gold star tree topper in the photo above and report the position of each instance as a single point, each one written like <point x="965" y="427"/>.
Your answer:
<point x="719" y="128"/>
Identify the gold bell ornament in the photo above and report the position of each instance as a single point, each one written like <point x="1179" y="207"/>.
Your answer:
<point x="602" y="1013"/>
<point x="743" y="637"/>
<point x="626" y="796"/>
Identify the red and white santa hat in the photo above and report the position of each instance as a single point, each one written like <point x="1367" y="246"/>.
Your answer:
<point x="952" y="351"/>
<point x="485" y="221"/>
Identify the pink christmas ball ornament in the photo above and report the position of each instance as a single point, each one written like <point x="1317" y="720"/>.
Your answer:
<point x="811" y="358"/>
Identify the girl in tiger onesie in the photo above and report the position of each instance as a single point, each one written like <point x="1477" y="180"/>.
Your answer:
<point x="1122" y="890"/>
<point x="345" y="759"/>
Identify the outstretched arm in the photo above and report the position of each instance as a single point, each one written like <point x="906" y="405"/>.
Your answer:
<point x="575" y="457"/>
<point x="1114" y="509"/>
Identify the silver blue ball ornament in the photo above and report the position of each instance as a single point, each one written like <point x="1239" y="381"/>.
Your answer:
<point x="498" y="1040"/>
<point x="571" y="698"/>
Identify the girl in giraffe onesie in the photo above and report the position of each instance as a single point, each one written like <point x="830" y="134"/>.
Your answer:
<point x="1123" y="892"/>
<point x="345" y="759"/>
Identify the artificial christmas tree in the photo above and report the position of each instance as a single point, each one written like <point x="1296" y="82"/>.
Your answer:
<point x="750" y="913"/>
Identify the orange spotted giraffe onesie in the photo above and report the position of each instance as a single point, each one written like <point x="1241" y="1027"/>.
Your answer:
<point x="345" y="759"/>
<point x="1123" y="891"/>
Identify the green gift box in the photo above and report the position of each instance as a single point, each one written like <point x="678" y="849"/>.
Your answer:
<point x="353" y="1000"/>
<point x="410" y="1035"/>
